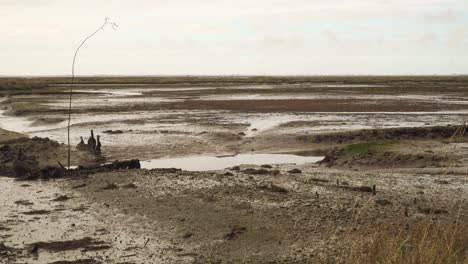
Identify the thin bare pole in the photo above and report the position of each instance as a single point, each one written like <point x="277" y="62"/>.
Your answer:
<point x="106" y="21"/>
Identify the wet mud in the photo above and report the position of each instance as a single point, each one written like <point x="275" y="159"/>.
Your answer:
<point x="395" y="149"/>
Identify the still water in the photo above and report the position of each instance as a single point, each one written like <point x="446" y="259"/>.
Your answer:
<point x="205" y="163"/>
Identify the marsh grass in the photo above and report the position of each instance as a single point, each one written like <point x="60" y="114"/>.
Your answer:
<point x="420" y="240"/>
<point x="418" y="243"/>
<point x="370" y="147"/>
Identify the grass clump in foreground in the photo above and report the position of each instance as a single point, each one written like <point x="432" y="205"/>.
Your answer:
<point x="369" y="147"/>
<point x="423" y="242"/>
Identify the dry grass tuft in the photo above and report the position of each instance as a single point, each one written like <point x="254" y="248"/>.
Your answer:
<point x="421" y="242"/>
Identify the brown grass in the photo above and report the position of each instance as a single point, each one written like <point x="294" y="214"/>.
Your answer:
<point x="420" y="243"/>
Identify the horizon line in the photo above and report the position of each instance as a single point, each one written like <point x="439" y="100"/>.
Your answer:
<point x="232" y="75"/>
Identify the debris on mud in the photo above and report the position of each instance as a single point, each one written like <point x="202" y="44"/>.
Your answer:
<point x="123" y="165"/>
<point x="295" y="171"/>
<point x="59" y="246"/>
<point x="256" y="171"/>
<point x="112" y="132"/>
<point x="129" y="186"/>
<point x="234" y="233"/>
<point x="110" y="186"/>
<point x="356" y="188"/>
<point x="79" y="186"/>
<point x="37" y="212"/>
<point x="319" y="180"/>
<point x="2" y="228"/>
<point x="79" y="261"/>
<point x="187" y="235"/>
<point x="23" y="202"/>
<point x="5" y="251"/>
<point x="61" y="198"/>
<point x="273" y="188"/>
<point x="166" y="170"/>
<point x="428" y="210"/>
<point x="383" y="202"/>
<point x="441" y="182"/>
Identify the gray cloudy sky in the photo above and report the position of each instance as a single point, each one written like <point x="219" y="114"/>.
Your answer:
<point x="248" y="37"/>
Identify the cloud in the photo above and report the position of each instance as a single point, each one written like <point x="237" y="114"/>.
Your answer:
<point x="424" y="39"/>
<point x="233" y="36"/>
<point x="444" y="16"/>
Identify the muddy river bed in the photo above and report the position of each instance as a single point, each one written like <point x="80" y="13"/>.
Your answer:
<point x="250" y="189"/>
<point x="159" y="121"/>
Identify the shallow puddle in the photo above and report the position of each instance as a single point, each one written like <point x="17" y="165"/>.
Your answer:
<point x="206" y="163"/>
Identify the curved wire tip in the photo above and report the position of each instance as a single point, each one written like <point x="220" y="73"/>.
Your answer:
<point x="107" y="21"/>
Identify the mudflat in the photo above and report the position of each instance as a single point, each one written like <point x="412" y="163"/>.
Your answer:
<point x="393" y="154"/>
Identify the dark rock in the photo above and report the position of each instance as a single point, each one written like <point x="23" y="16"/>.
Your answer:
<point x="295" y="171"/>
<point x="266" y="166"/>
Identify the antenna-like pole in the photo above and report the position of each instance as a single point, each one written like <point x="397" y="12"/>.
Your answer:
<point x="106" y="22"/>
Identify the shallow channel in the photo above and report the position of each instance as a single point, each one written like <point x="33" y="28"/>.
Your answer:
<point x="206" y="163"/>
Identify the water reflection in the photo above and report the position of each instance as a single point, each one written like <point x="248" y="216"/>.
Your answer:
<point x="205" y="163"/>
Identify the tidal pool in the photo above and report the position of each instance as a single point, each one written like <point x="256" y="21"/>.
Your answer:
<point x="206" y="163"/>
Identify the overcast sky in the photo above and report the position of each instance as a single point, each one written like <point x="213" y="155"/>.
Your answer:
<point x="245" y="37"/>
